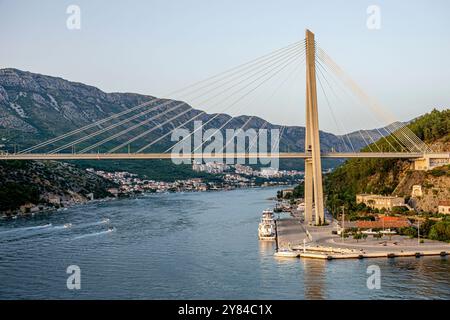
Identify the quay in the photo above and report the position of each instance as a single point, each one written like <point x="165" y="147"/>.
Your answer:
<point x="313" y="242"/>
<point x="338" y="255"/>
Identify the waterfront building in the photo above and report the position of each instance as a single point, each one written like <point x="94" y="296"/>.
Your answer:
<point x="287" y="192"/>
<point x="444" y="206"/>
<point x="384" y="223"/>
<point x="377" y="201"/>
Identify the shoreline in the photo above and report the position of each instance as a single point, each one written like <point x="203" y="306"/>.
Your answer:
<point x="51" y="210"/>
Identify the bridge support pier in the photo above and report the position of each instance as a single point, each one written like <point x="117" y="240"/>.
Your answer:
<point x="313" y="167"/>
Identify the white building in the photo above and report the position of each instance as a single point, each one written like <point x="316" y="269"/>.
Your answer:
<point x="269" y="172"/>
<point x="444" y="207"/>
<point x="416" y="191"/>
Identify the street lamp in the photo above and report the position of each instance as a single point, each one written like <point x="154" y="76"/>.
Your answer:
<point x="343" y="228"/>
<point x="418" y="232"/>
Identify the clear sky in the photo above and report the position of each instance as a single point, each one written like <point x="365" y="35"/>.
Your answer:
<point x="156" y="46"/>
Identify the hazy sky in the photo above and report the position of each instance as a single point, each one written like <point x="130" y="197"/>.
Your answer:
<point x="154" y="47"/>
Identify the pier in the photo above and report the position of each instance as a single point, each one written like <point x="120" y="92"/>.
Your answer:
<point x="314" y="242"/>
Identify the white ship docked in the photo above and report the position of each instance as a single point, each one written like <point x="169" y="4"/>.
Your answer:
<point x="267" y="227"/>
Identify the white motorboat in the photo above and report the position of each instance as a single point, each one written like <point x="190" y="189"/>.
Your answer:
<point x="388" y="231"/>
<point x="286" y="253"/>
<point x="267" y="227"/>
<point x="67" y="225"/>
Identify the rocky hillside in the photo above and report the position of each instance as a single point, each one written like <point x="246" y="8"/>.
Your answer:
<point x="31" y="186"/>
<point x="392" y="176"/>
<point x="435" y="186"/>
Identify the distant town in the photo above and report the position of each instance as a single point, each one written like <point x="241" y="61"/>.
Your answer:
<point x="228" y="177"/>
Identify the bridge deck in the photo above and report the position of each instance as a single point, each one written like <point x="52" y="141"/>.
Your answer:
<point x="281" y="155"/>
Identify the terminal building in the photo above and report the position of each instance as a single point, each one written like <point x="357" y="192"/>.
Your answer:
<point x="444" y="206"/>
<point x="377" y="201"/>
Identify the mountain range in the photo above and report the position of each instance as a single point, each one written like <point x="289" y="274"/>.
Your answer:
<point x="35" y="107"/>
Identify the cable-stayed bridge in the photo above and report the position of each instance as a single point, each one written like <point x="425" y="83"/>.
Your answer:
<point x="144" y="131"/>
<point x="217" y="156"/>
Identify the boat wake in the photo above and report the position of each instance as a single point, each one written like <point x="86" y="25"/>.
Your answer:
<point x="96" y="223"/>
<point x="64" y="226"/>
<point x="94" y="234"/>
<point x="45" y="226"/>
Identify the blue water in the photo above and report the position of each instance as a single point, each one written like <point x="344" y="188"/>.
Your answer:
<point x="188" y="246"/>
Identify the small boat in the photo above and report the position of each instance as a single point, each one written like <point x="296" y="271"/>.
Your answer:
<point x="388" y="231"/>
<point x="369" y="232"/>
<point x="267" y="227"/>
<point x="106" y="220"/>
<point x="67" y="225"/>
<point x="286" y="253"/>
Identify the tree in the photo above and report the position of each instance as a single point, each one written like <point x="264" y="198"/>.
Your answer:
<point x="426" y="226"/>
<point x="440" y="231"/>
<point x="410" y="232"/>
<point x="378" y="235"/>
<point x="357" y="236"/>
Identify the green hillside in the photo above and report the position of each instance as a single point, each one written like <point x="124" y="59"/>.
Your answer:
<point x="382" y="176"/>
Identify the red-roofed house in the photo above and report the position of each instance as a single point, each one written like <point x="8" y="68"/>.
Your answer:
<point x="384" y="222"/>
<point x="444" y="206"/>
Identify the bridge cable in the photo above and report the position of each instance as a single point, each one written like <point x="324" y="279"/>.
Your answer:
<point x="323" y="68"/>
<point x="338" y="98"/>
<point x="235" y="102"/>
<point x="282" y="83"/>
<point x="114" y="116"/>
<point x="266" y="123"/>
<point x="193" y="118"/>
<point x="381" y="135"/>
<point x="146" y="112"/>
<point x="219" y="129"/>
<point x="329" y="107"/>
<point x="403" y="133"/>
<point x="337" y="73"/>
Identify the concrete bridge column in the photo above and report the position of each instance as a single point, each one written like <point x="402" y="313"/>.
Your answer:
<point x="313" y="167"/>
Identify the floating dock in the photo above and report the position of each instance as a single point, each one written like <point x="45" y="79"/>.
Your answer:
<point x="333" y="256"/>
